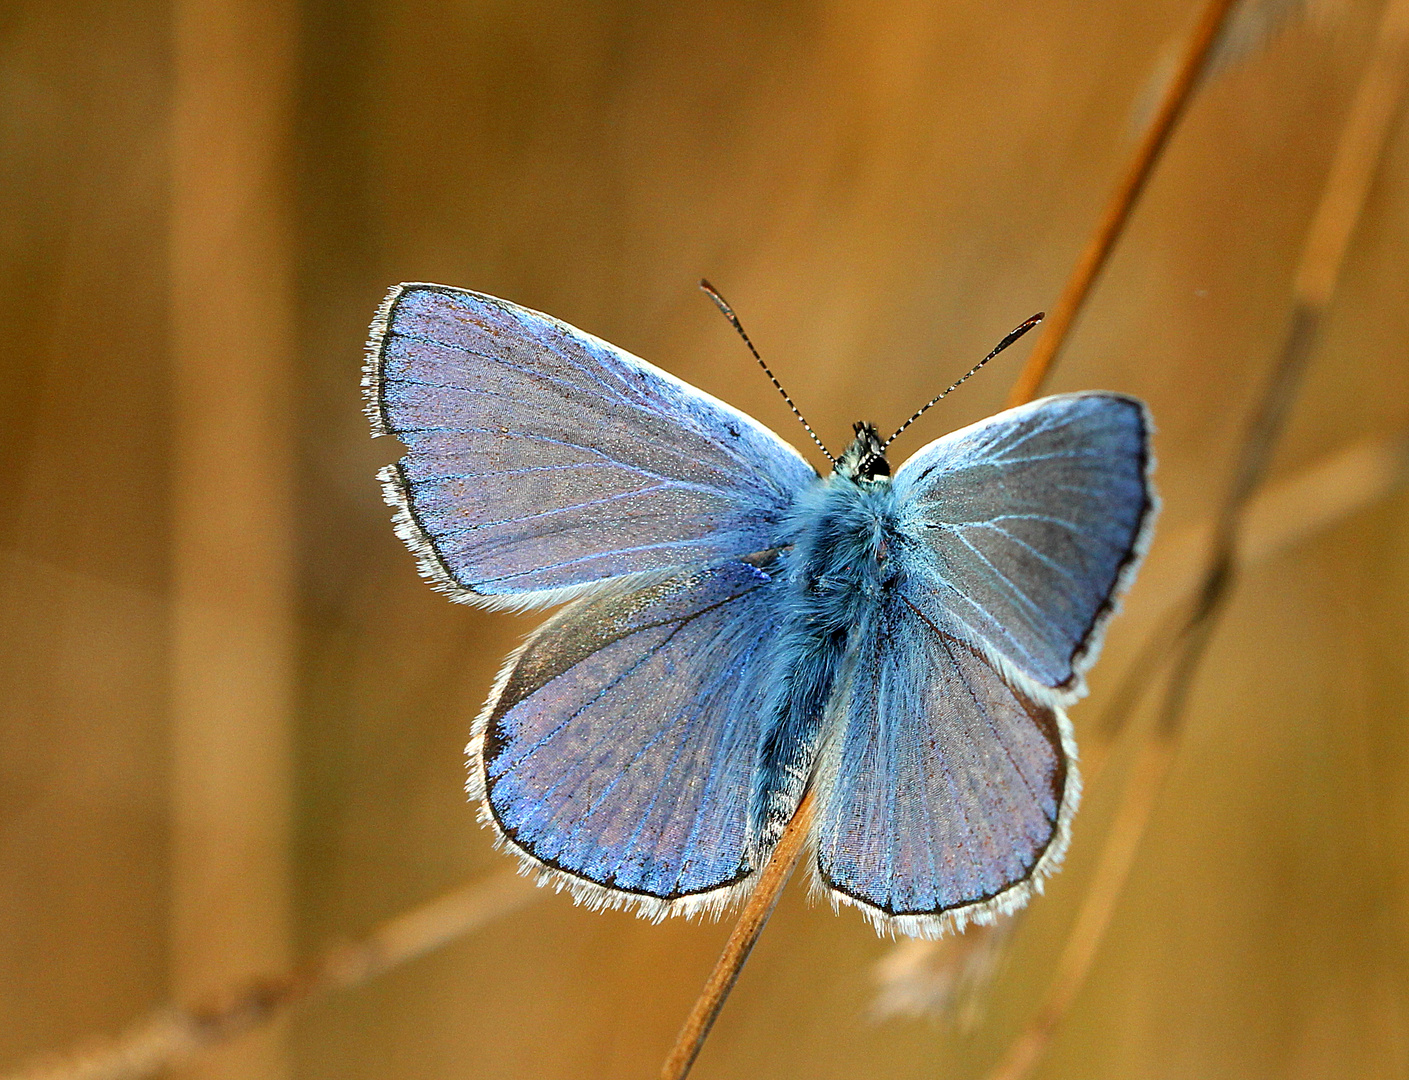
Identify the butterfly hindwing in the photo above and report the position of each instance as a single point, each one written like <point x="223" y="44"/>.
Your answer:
<point x="1022" y="530"/>
<point x="618" y="751"/>
<point x="945" y="792"/>
<point x="542" y="460"/>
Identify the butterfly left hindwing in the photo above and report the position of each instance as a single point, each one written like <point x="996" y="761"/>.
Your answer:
<point x="617" y="754"/>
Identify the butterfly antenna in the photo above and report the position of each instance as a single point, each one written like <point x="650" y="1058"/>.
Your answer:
<point x="1012" y="337"/>
<point x="723" y="306"/>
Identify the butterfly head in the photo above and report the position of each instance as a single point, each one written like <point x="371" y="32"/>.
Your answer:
<point x="865" y="459"/>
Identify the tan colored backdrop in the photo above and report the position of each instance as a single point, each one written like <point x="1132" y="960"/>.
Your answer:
<point x="881" y="189"/>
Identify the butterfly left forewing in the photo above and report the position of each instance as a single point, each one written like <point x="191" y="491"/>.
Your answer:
<point x="945" y="791"/>
<point x="542" y="461"/>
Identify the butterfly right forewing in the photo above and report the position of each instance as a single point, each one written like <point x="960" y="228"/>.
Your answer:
<point x="1021" y="531"/>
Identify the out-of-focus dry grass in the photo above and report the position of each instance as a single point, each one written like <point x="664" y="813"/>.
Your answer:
<point x="881" y="190"/>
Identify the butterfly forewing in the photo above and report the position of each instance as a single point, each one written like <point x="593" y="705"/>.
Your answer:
<point x="542" y="460"/>
<point x="1021" y="530"/>
<point x="621" y="746"/>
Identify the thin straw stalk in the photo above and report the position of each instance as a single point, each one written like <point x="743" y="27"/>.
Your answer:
<point x="176" y="1034"/>
<point x="1152" y="142"/>
<point x="1117" y="213"/>
<point x="1359" y="150"/>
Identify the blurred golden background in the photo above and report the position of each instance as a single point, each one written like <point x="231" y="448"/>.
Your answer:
<point x="232" y="716"/>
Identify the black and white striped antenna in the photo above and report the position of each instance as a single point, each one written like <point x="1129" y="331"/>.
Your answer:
<point x="1012" y="337"/>
<point x="723" y="306"/>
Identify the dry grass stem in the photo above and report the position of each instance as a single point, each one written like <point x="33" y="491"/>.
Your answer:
<point x="1132" y="181"/>
<point x="233" y="609"/>
<point x="1030" y="379"/>
<point x="175" y="1034"/>
<point x="759" y="906"/>
<point x="1360" y="147"/>
<point x="1251" y="28"/>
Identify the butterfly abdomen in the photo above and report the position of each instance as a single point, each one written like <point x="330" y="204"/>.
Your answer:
<point x="835" y="569"/>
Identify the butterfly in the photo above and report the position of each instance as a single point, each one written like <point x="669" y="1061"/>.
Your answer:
<point x="736" y="627"/>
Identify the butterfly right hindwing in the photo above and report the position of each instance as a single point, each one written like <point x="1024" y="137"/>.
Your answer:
<point x="945" y="792"/>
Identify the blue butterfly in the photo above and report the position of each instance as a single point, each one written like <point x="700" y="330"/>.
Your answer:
<point x="737" y="627"/>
